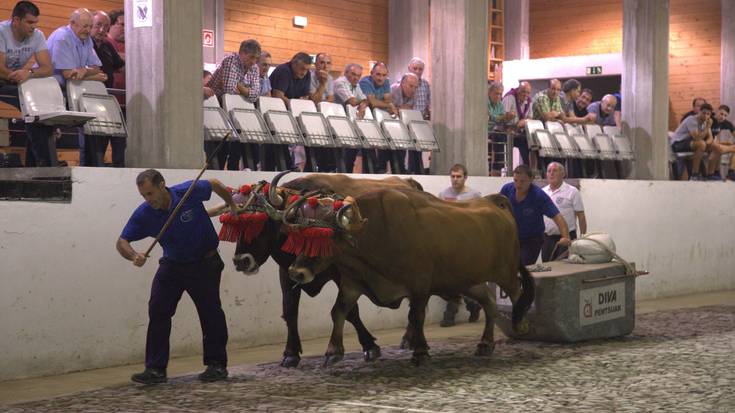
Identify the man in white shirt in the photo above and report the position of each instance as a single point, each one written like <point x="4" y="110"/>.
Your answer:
<point x="569" y="202"/>
<point x="459" y="192"/>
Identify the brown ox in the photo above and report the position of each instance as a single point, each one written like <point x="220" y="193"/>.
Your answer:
<point x="414" y="245"/>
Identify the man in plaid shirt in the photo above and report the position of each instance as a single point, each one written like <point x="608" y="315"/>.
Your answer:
<point x="422" y="103"/>
<point x="238" y="74"/>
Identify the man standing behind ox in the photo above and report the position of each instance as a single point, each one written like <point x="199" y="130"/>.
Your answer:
<point x="190" y="263"/>
<point x="569" y="202"/>
<point x="459" y="192"/>
<point x="19" y="42"/>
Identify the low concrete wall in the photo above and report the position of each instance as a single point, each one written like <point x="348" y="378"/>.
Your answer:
<point x="69" y="302"/>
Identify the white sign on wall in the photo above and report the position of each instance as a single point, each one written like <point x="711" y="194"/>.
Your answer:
<point x="601" y="304"/>
<point x="142" y="13"/>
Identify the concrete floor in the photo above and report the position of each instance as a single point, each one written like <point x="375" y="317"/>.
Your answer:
<point x="12" y="392"/>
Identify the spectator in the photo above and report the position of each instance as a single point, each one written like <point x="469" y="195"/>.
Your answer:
<point x="347" y="92"/>
<point x="206" y="91"/>
<point x="725" y="143"/>
<point x="694" y="134"/>
<point x="518" y="102"/>
<point x="618" y="110"/>
<point x="116" y="37"/>
<point x="582" y="103"/>
<point x="403" y="95"/>
<point x="423" y="93"/>
<point x="322" y="84"/>
<point x="264" y="63"/>
<point x="236" y="75"/>
<point x="604" y="110"/>
<point x="497" y="118"/>
<point x="72" y="54"/>
<point x="571" y="90"/>
<point x="547" y="105"/>
<point x="111" y="60"/>
<point x="696" y="105"/>
<point x="569" y="202"/>
<point x="190" y="263"/>
<point x="291" y="80"/>
<point x="21" y="43"/>
<point x="530" y="204"/>
<point x="377" y="90"/>
<point x="459" y="192"/>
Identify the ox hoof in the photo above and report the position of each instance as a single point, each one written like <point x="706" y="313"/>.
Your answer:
<point x="420" y="359"/>
<point x="332" y="359"/>
<point x="372" y="354"/>
<point x="522" y="327"/>
<point x="406" y="344"/>
<point x="484" y="350"/>
<point x="290" y="361"/>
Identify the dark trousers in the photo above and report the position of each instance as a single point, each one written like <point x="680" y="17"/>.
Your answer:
<point x="238" y="150"/>
<point x="550" y="242"/>
<point x="219" y="161"/>
<point x="200" y="280"/>
<point x="92" y="149"/>
<point x="40" y="144"/>
<point x="521" y="142"/>
<point x="530" y="249"/>
<point x="415" y="163"/>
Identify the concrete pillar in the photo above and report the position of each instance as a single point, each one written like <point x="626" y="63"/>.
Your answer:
<point x="459" y="79"/>
<point x="645" y="85"/>
<point x="727" y="55"/>
<point x="516" y="23"/>
<point x="164" y="80"/>
<point x="408" y="36"/>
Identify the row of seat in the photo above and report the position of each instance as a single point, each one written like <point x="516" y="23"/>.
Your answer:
<point x="89" y="104"/>
<point x="557" y="140"/>
<point x="330" y="126"/>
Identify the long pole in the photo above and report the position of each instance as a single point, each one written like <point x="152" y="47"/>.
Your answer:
<point x="186" y="196"/>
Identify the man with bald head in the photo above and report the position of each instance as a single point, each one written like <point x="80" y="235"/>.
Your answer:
<point x="72" y="54"/>
<point x="518" y="102"/>
<point x="604" y="110"/>
<point x="109" y="57"/>
<point x="547" y="104"/>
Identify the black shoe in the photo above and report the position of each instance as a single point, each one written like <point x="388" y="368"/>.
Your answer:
<point x="150" y="376"/>
<point x="214" y="372"/>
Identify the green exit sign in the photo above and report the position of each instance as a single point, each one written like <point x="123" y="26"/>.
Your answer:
<point x="594" y="70"/>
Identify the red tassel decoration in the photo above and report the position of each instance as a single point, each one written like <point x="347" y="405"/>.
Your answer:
<point x="246" y="226"/>
<point x="246" y="189"/>
<point x="311" y="242"/>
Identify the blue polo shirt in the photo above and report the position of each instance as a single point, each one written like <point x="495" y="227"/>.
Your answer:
<point x="368" y="87"/>
<point x="190" y="235"/>
<point x="69" y="52"/>
<point x="529" y="213"/>
<point x="283" y="79"/>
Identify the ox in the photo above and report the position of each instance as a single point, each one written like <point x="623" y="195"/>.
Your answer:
<point x="250" y="254"/>
<point x="413" y="245"/>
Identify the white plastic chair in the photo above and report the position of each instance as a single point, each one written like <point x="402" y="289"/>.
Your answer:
<point x="247" y="120"/>
<point x="91" y="96"/>
<point x="41" y="101"/>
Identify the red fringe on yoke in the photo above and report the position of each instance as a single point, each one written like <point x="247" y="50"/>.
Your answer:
<point x="246" y="226"/>
<point x="311" y="242"/>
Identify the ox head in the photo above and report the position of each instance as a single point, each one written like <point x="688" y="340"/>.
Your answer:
<point x="256" y="228"/>
<point x="316" y="227"/>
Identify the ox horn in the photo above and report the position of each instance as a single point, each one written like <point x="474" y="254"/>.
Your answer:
<point x="350" y="224"/>
<point x="273" y="197"/>
<point x="291" y="209"/>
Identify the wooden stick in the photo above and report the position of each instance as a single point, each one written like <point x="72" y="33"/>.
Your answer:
<point x="186" y="196"/>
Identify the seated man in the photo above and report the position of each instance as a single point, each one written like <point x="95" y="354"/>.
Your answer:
<point x="604" y="110"/>
<point x="20" y="42"/>
<point x="582" y="103"/>
<point x="322" y="84"/>
<point x="724" y="140"/>
<point x="547" y="104"/>
<point x="291" y="80"/>
<point x="264" y="63"/>
<point x="695" y="135"/>
<point x="377" y="89"/>
<point x="422" y="103"/>
<point x="236" y="75"/>
<point x="459" y="192"/>
<point x="497" y="118"/>
<point x="72" y="54"/>
<point x="347" y="92"/>
<point x="696" y="104"/>
<point x="518" y="102"/>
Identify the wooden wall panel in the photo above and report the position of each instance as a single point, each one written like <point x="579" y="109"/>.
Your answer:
<point x="596" y="27"/>
<point x="355" y="31"/>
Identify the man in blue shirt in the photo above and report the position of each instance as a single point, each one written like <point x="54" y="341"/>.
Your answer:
<point x="20" y="41"/>
<point x="376" y="88"/>
<point x="530" y="203"/>
<point x="190" y="263"/>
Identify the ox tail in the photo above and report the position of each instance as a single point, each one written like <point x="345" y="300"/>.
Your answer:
<point x="521" y="306"/>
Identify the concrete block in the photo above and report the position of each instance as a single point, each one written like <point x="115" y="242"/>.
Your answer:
<point x="576" y="302"/>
